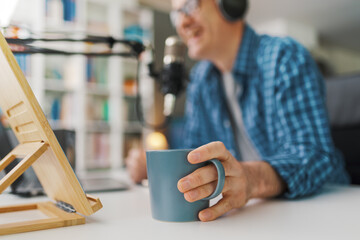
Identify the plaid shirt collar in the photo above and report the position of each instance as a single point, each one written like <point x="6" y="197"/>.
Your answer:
<point x="246" y="56"/>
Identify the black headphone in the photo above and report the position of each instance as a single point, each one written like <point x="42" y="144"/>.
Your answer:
<point x="233" y="10"/>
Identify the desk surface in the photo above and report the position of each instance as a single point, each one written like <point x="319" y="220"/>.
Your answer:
<point x="333" y="214"/>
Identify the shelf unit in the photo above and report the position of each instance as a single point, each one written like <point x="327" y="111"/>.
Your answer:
<point x="88" y="95"/>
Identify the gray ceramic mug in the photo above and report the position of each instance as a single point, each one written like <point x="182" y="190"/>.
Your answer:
<point x="165" y="168"/>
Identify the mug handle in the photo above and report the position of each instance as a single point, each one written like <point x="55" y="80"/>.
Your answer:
<point x="220" y="181"/>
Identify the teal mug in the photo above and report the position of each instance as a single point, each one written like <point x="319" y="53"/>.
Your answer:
<point x="165" y="168"/>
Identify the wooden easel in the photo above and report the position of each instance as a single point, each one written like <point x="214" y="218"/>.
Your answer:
<point x="39" y="148"/>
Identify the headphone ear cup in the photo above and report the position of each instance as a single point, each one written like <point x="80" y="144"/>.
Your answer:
<point x="233" y="10"/>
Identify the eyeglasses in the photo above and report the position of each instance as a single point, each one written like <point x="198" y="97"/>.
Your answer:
<point x="189" y="7"/>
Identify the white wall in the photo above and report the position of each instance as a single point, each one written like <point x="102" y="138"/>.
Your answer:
<point x="342" y="59"/>
<point x="305" y="34"/>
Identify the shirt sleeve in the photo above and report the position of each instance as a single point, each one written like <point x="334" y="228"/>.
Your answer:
<point x="306" y="158"/>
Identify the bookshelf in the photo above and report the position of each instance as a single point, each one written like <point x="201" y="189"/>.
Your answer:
<point x="94" y="96"/>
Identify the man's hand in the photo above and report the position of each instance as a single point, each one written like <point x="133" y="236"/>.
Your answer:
<point x="243" y="181"/>
<point x="136" y="164"/>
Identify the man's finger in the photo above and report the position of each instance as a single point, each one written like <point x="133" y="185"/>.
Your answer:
<point x="219" y="209"/>
<point x="205" y="191"/>
<point x="200" y="192"/>
<point x="200" y="177"/>
<point x="209" y="151"/>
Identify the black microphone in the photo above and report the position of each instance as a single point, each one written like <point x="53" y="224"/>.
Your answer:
<point x="173" y="73"/>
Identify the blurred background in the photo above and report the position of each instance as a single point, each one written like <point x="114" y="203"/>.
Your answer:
<point x="94" y="98"/>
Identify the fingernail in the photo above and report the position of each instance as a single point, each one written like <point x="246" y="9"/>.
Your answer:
<point x="205" y="215"/>
<point x="184" y="185"/>
<point x="194" y="157"/>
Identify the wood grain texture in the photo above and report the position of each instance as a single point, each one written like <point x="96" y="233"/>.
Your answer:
<point x="17" y="208"/>
<point x="57" y="218"/>
<point x="95" y="202"/>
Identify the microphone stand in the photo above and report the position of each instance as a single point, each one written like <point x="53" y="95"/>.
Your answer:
<point x="158" y="127"/>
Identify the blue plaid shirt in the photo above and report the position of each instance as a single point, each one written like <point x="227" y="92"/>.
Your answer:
<point x="283" y="109"/>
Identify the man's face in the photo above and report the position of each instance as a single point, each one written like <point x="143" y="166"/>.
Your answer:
<point x="201" y="28"/>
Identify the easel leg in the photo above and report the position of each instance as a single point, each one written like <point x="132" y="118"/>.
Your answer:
<point x="31" y="151"/>
<point x="6" y="161"/>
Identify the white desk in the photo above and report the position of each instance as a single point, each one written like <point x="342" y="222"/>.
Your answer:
<point x="334" y="214"/>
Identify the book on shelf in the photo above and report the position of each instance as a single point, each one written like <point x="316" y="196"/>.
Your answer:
<point x="68" y="111"/>
<point x="97" y="17"/>
<point x="60" y="110"/>
<point x="96" y="71"/>
<point x="97" y="109"/>
<point x="136" y="32"/>
<point x="97" y="150"/>
<point x="55" y="109"/>
<point x="130" y="87"/>
<point x="24" y="61"/>
<point x="69" y="10"/>
<point x="61" y="73"/>
<point x="130" y="110"/>
<point x="54" y="12"/>
<point x="54" y="69"/>
<point x="73" y="78"/>
<point x="59" y="11"/>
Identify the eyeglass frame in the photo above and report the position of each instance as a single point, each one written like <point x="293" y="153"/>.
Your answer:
<point x="188" y="8"/>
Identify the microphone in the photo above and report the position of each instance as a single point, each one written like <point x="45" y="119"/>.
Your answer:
<point x="173" y="73"/>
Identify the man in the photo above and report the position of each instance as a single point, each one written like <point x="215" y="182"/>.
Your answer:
<point x="255" y="103"/>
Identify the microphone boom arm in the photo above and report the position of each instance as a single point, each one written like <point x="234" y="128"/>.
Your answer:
<point x="25" y="46"/>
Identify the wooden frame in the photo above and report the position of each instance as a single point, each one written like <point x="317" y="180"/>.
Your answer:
<point x="40" y="149"/>
<point x="57" y="218"/>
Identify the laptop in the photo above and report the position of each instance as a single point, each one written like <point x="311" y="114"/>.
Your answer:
<point x="28" y="185"/>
